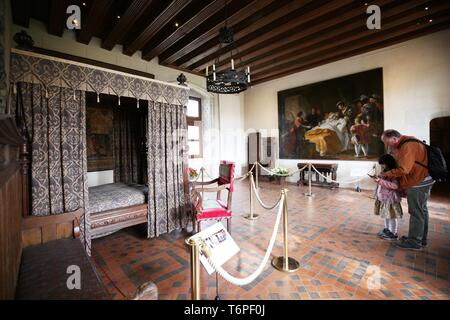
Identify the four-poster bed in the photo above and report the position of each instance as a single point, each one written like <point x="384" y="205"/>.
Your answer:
<point x="50" y="95"/>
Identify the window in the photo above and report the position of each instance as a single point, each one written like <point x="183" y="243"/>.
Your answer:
<point x="194" y="122"/>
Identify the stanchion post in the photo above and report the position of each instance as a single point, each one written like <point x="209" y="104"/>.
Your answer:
<point x="195" y="269"/>
<point x="251" y="215"/>
<point x="202" y="171"/>
<point x="256" y="176"/>
<point x="285" y="233"/>
<point x="309" y="193"/>
<point x="285" y="263"/>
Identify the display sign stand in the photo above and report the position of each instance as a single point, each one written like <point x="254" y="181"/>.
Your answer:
<point x="216" y="240"/>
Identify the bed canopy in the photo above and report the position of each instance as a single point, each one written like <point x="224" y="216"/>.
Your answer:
<point x="50" y="100"/>
<point x="50" y="71"/>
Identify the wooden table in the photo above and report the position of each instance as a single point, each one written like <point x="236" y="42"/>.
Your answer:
<point x="317" y="180"/>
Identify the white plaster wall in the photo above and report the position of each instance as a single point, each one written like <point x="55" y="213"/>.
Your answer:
<point x="96" y="178"/>
<point x="232" y="135"/>
<point x="416" y="80"/>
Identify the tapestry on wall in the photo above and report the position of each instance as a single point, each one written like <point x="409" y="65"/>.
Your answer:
<point x="341" y="118"/>
<point x="99" y="138"/>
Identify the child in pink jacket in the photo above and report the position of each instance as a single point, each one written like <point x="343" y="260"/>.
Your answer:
<point x="388" y="199"/>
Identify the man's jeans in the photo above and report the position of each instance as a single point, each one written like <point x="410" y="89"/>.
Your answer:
<point x="417" y="207"/>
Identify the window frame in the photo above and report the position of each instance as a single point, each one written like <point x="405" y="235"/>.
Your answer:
<point x="196" y="122"/>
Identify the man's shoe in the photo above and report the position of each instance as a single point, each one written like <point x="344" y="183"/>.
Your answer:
<point x="408" y="245"/>
<point x="424" y="242"/>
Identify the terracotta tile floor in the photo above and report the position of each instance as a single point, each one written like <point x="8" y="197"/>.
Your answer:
<point x="332" y="235"/>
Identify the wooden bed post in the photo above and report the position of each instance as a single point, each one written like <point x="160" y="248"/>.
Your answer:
<point x="24" y="162"/>
<point x="24" y="155"/>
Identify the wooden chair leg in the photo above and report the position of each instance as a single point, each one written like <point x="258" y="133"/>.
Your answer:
<point x="199" y="226"/>
<point x="229" y="225"/>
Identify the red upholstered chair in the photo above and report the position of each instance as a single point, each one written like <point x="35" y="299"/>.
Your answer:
<point x="213" y="209"/>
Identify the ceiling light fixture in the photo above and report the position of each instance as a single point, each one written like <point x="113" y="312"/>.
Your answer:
<point x="229" y="81"/>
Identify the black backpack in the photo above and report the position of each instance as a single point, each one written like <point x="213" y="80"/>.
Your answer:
<point x="437" y="167"/>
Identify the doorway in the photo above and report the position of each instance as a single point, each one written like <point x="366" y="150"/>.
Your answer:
<point x="440" y="137"/>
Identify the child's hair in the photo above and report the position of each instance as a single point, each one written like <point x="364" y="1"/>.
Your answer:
<point x="388" y="161"/>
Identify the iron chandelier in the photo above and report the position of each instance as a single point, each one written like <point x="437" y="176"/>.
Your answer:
<point x="228" y="81"/>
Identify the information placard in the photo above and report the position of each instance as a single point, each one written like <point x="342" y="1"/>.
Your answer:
<point x="220" y="243"/>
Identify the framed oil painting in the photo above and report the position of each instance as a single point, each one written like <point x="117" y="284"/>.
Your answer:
<point x="99" y="138"/>
<point x="340" y="119"/>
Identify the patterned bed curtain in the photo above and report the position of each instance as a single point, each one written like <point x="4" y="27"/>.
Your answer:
<point x="130" y="145"/>
<point x="2" y="58"/>
<point x="166" y="141"/>
<point x="56" y="123"/>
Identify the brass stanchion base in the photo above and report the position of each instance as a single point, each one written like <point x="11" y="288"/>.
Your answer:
<point x="278" y="263"/>
<point x="251" y="217"/>
<point x="309" y="194"/>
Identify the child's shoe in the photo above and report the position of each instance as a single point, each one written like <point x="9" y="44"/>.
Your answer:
<point x="393" y="236"/>
<point x="383" y="233"/>
<point x="389" y="235"/>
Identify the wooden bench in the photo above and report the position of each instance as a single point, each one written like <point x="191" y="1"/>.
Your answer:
<point x="324" y="168"/>
<point x="44" y="272"/>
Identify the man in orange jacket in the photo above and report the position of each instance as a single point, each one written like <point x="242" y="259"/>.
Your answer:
<point x="413" y="176"/>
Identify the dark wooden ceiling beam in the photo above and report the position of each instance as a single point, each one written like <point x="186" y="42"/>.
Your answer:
<point x="278" y="27"/>
<point x="312" y="32"/>
<point x="155" y="26"/>
<point x="379" y="40"/>
<point x="57" y="18"/>
<point x="261" y="17"/>
<point x="268" y="20"/>
<point x="95" y="17"/>
<point x="415" y="34"/>
<point x="211" y="29"/>
<point x="21" y="12"/>
<point x="392" y="17"/>
<point x="125" y="23"/>
<point x="390" y="26"/>
<point x="154" y="49"/>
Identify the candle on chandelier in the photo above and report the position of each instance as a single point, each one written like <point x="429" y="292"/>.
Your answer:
<point x="206" y="70"/>
<point x="232" y="64"/>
